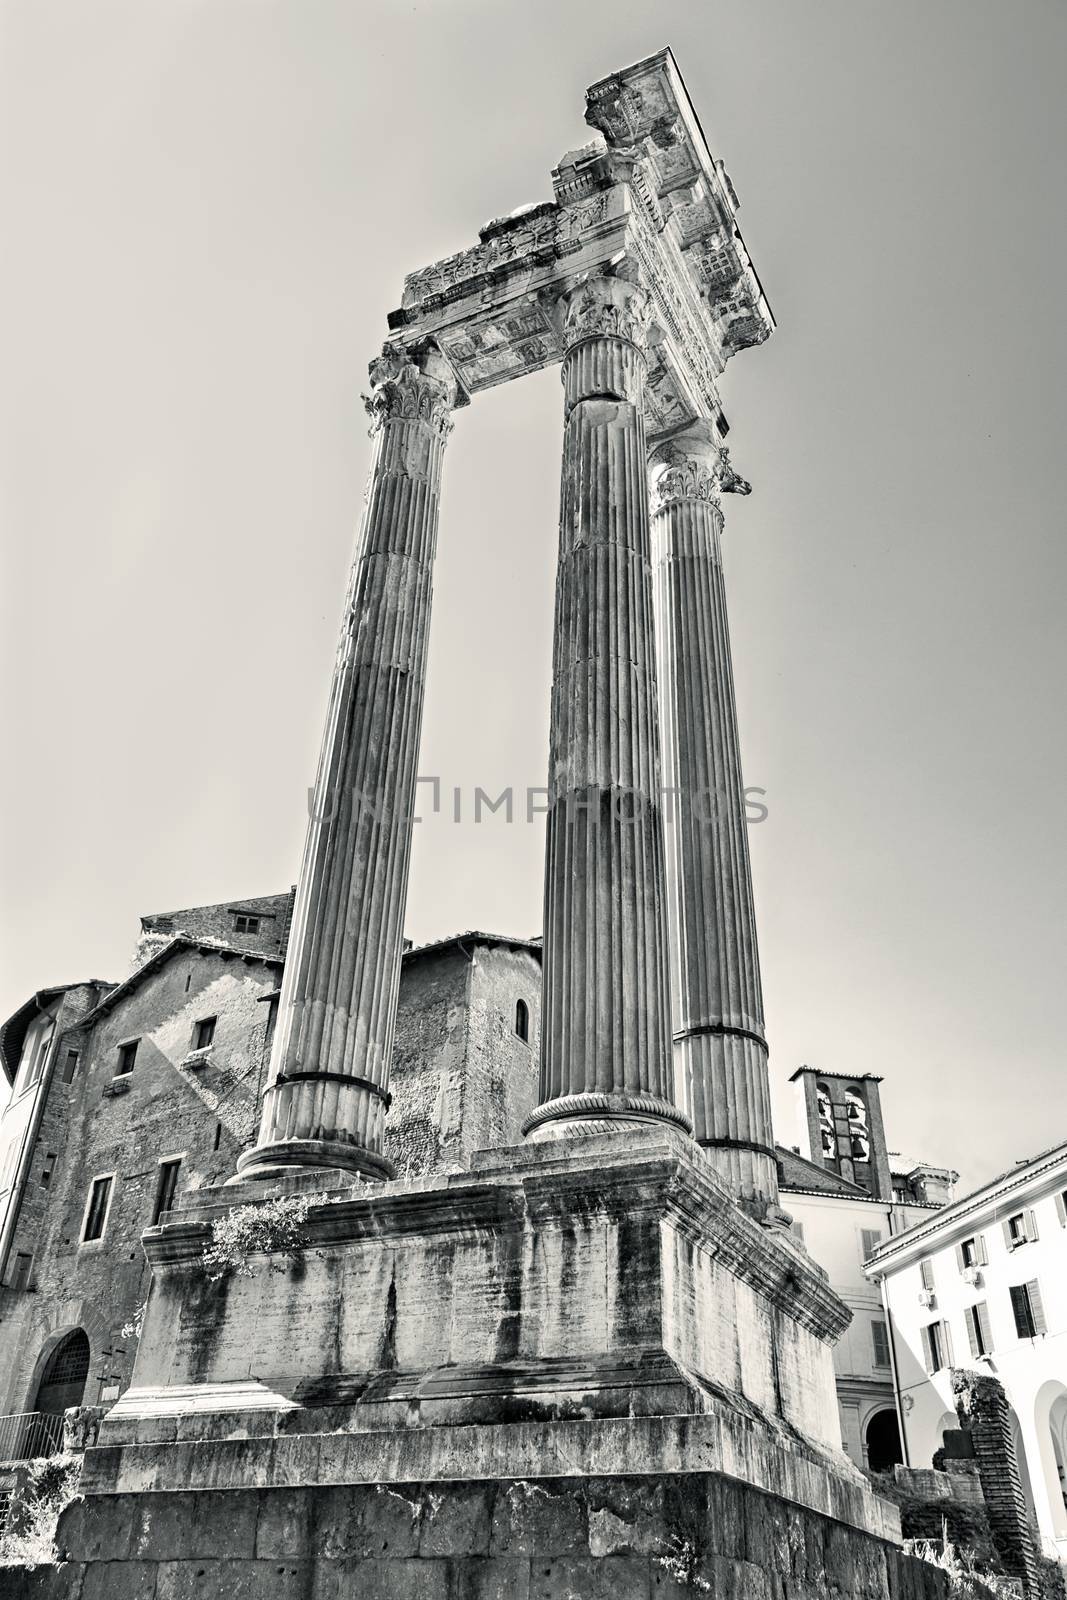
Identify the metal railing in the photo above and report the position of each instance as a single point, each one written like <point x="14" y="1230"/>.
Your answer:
<point x="30" y="1433"/>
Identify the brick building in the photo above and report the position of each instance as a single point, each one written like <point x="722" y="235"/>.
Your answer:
<point x="124" y="1095"/>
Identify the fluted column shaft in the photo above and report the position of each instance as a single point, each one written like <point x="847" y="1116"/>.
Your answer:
<point x="328" y="1094"/>
<point x="720" y="1053"/>
<point x="606" y="1011"/>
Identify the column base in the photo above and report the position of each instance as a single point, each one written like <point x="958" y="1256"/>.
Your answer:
<point x="279" y="1160"/>
<point x="576" y="1115"/>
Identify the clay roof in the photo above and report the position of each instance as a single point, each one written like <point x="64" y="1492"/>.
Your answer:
<point x="473" y="936"/>
<point x="13" y="1031"/>
<point x="802" y="1176"/>
<point x="180" y="941"/>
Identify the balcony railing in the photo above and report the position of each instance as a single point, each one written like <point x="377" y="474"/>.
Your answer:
<point x="30" y="1433"/>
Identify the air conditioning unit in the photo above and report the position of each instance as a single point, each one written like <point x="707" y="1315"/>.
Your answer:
<point x="926" y="1297"/>
<point x="972" y="1275"/>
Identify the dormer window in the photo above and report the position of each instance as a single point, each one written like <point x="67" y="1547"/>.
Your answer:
<point x="245" y="924"/>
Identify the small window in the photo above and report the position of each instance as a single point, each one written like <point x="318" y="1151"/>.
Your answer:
<point x="979" y="1332"/>
<point x="96" y="1210"/>
<point x="48" y="1168"/>
<point x="204" y="1032"/>
<point x="880" y="1339"/>
<point x="243" y="924"/>
<point x="1020" y="1229"/>
<point x="872" y="1238"/>
<point x="1029" y="1311"/>
<point x="926" y="1270"/>
<point x="20" y="1275"/>
<point x="797" y="1229"/>
<point x="522" y="1021"/>
<point x="70" y="1066"/>
<point x="1061" y="1208"/>
<point x="166" y="1187"/>
<point x="127" y="1057"/>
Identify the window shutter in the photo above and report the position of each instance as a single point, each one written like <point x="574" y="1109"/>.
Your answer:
<point x="1031" y="1225"/>
<point x="985" y="1329"/>
<point x="1061" y="1209"/>
<point x="959" y="1257"/>
<point x="928" y="1350"/>
<point x="926" y="1267"/>
<point x="983" y="1253"/>
<point x="1020" y="1305"/>
<point x="970" y="1317"/>
<point x="1008" y="1240"/>
<point x="1037" y="1309"/>
<point x="872" y="1238"/>
<point x="881" y="1344"/>
<point x="798" y="1229"/>
<point x="946" y="1346"/>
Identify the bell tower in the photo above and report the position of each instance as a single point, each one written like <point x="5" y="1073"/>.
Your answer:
<point x="842" y="1122"/>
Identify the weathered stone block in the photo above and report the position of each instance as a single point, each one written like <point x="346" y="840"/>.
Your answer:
<point x="236" y="1580"/>
<point x="536" y="1517"/>
<point x="177" y="1527"/>
<point x="118" y="1580"/>
<point x="583" y="1577"/>
<point x="456" y="1523"/>
<point x="494" y="1578"/>
<point x="283" y="1523"/>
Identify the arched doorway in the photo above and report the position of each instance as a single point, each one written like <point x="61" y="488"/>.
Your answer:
<point x="63" y="1379"/>
<point x="883" y="1442"/>
<point x="1050" y="1421"/>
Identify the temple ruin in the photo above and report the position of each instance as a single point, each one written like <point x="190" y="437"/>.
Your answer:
<point x="594" y="1362"/>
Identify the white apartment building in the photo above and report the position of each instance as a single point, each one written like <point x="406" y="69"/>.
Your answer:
<point x="983" y="1284"/>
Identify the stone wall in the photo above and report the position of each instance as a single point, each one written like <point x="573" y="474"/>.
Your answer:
<point x="661" y="1537"/>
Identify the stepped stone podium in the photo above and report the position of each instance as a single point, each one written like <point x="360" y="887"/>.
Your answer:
<point x="596" y="1363"/>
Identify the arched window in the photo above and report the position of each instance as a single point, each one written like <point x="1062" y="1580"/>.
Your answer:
<point x="858" y="1135"/>
<point x="522" y="1020"/>
<point x="63" y="1379"/>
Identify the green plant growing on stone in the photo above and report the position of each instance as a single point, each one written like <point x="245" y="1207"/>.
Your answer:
<point x="964" y="1577"/>
<point x="681" y="1562"/>
<point x="268" y="1227"/>
<point x="132" y="1329"/>
<point x="50" y="1484"/>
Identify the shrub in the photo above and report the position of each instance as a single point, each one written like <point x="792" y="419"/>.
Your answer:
<point x="49" y="1485"/>
<point x="267" y="1227"/>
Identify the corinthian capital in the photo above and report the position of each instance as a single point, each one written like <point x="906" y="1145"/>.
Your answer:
<point x="416" y="388"/>
<point x="607" y="308"/>
<point x="692" y="466"/>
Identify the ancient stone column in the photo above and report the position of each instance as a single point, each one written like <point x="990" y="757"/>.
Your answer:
<point x="606" y="1050"/>
<point x="330" y="1061"/>
<point x="720" y="1054"/>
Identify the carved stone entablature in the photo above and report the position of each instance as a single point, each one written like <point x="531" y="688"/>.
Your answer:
<point x="644" y="202"/>
<point x="419" y="388"/>
<point x="646" y="108"/>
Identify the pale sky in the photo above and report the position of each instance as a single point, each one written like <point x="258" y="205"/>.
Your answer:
<point x="208" y="208"/>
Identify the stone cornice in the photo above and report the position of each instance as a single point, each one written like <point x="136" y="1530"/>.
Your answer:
<point x="654" y="1171"/>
